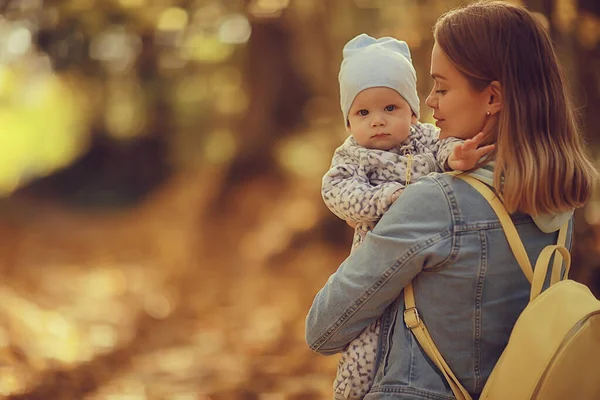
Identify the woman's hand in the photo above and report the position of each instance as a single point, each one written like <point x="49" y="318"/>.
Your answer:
<point x="466" y="155"/>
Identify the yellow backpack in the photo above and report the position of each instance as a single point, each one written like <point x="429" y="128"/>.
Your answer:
<point x="553" y="352"/>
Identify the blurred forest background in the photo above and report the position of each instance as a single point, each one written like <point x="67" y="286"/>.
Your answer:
<point x="162" y="233"/>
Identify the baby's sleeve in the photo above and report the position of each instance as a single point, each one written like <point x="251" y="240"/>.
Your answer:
<point x="428" y="135"/>
<point x="445" y="148"/>
<point x="347" y="191"/>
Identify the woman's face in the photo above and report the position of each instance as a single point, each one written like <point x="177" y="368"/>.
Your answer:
<point x="459" y="109"/>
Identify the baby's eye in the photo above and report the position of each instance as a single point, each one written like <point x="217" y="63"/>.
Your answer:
<point x="391" y="107"/>
<point x="363" y="112"/>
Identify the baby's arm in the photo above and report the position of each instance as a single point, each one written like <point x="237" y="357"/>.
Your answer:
<point x="452" y="153"/>
<point x="465" y="155"/>
<point x="428" y="135"/>
<point x="362" y="183"/>
<point x="347" y="187"/>
<point x="348" y="193"/>
<point x="445" y="149"/>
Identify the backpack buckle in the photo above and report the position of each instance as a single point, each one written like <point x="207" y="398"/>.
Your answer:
<point x="411" y="318"/>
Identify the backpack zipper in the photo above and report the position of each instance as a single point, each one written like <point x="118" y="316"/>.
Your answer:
<point x="564" y="342"/>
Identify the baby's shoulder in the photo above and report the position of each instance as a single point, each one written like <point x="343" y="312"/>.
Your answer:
<point x="425" y="130"/>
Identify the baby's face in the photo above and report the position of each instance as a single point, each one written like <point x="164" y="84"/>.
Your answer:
<point x="380" y="118"/>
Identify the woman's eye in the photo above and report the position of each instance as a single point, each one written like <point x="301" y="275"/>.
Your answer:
<point x="363" y="112"/>
<point x="390" y="108"/>
<point x="440" y="91"/>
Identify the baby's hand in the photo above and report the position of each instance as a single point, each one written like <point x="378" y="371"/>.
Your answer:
<point x="465" y="155"/>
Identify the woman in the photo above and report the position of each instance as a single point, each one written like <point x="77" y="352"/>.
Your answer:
<point x="495" y="71"/>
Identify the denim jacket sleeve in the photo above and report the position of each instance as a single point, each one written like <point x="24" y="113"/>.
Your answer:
<point x="415" y="233"/>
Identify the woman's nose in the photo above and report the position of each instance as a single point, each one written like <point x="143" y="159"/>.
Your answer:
<point x="431" y="101"/>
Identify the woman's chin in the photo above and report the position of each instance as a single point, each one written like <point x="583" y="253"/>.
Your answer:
<point x="444" y="133"/>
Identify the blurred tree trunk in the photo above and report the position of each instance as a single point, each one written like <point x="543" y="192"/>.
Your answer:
<point x="112" y="173"/>
<point x="277" y="97"/>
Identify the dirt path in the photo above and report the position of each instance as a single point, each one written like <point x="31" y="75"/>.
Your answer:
<point x="172" y="300"/>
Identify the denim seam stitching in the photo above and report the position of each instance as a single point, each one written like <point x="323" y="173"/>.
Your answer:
<point x="469" y="227"/>
<point x="479" y="311"/>
<point x="454" y="217"/>
<point x="412" y="363"/>
<point x="410" y="390"/>
<point x="387" y="343"/>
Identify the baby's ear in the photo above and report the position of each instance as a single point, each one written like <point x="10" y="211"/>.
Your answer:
<point x="414" y="119"/>
<point x="348" y="126"/>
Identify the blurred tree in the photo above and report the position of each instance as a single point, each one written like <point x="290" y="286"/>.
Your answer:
<point x="278" y="95"/>
<point x="112" y="171"/>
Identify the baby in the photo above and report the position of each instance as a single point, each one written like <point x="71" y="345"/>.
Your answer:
<point x="387" y="149"/>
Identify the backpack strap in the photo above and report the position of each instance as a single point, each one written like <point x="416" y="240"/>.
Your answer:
<point x="556" y="267"/>
<point x="541" y="267"/>
<point x="418" y="328"/>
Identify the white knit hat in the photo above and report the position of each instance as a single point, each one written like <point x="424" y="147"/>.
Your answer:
<point x="383" y="62"/>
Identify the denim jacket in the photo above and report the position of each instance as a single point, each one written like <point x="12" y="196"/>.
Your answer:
<point x="469" y="289"/>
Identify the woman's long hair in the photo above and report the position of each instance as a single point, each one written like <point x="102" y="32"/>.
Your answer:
<point x="540" y="160"/>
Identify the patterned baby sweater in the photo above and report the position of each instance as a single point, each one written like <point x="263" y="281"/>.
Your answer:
<point x="360" y="183"/>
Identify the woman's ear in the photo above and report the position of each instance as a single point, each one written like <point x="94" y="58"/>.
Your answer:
<point x="495" y="97"/>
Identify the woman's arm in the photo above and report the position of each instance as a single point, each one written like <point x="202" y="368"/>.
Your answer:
<point x="415" y="233"/>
